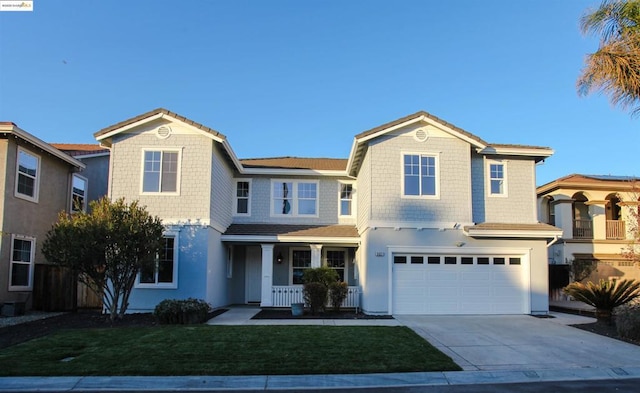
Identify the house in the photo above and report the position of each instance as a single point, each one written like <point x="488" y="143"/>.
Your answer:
<point x="96" y="172"/>
<point x="421" y="218"/>
<point x="594" y="213"/>
<point x="38" y="181"/>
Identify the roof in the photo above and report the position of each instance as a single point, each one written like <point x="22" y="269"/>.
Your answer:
<point x="360" y="141"/>
<point x="494" y="229"/>
<point x="330" y="164"/>
<point x="282" y="232"/>
<point x="77" y="149"/>
<point x="578" y="181"/>
<point x="11" y="128"/>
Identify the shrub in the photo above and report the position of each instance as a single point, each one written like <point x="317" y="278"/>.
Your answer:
<point x="323" y="275"/>
<point x="604" y="296"/>
<point x="181" y="312"/>
<point x="315" y="295"/>
<point x="628" y="321"/>
<point x="337" y="293"/>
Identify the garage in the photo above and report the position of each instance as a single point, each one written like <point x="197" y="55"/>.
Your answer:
<point x="460" y="284"/>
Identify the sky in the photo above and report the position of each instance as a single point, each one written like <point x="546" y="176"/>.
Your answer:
<point x="302" y="78"/>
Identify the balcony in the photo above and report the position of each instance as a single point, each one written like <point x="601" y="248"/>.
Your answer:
<point x="582" y="229"/>
<point x="615" y="230"/>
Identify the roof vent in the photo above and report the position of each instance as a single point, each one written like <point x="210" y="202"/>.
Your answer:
<point x="163" y="132"/>
<point x="421" y="135"/>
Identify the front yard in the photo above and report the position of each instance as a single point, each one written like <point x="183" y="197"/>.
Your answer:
<point x="224" y="350"/>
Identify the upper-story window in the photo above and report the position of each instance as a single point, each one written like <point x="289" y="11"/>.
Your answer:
<point x="164" y="274"/>
<point x="420" y="175"/>
<point x="294" y="198"/>
<point x="27" y="175"/>
<point x="160" y="171"/>
<point x="346" y="199"/>
<point x="78" y="194"/>
<point x="242" y="205"/>
<point x="21" y="271"/>
<point x="497" y="178"/>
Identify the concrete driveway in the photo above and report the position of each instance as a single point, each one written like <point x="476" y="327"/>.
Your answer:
<point x="521" y="342"/>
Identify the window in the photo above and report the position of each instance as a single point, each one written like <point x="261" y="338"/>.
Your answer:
<point x="242" y="205"/>
<point x="466" y="260"/>
<point x="399" y="259"/>
<point x="346" y="199"/>
<point x="336" y="260"/>
<point x="417" y="259"/>
<point x="483" y="260"/>
<point x="497" y="179"/>
<point x="165" y="272"/>
<point x="78" y="194"/>
<point x="300" y="260"/>
<point x="160" y="173"/>
<point x="291" y="198"/>
<point x="420" y="175"/>
<point x="22" y="252"/>
<point x="450" y="260"/>
<point x="27" y="176"/>
<point x="498" y="260"/>
<point x="433" y="260"/>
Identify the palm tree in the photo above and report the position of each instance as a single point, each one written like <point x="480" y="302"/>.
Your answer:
<point x="604" y="296"/>
<point x="614" y="69"/>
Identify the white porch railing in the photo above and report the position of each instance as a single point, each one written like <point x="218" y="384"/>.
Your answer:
<point x="284" y="295"/>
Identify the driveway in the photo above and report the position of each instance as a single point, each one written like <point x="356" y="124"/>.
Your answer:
<point x="521" y="342"/>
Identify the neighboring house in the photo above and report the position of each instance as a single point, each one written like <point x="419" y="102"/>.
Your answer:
<point x="595" y="217"/>
<point x="422" y="218"/>
<point x="35" y="185"/>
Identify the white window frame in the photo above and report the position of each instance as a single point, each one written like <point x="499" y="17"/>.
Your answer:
<point x="29" y="286"/>
<point x="505" y="176"/>
<point x="346" y="260"/>
<point x="36" y="180"/>
<point x="178" y="174"/>
<point x="294" y="197"/>
<point x="236" y="198"/>
<point x="86" y="190"/>
<point x="176" y="262"/>
<point x="291" y="267"/>
<point x="340" y="199"/>
<point x="436" y="157"/>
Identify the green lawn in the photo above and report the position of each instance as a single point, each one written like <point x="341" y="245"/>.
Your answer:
<point x="225" y="350"/>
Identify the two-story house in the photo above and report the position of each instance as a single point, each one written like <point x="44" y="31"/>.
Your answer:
<point x="421" y="218"/>
<point x="595" y="215"/>
<point x="37" y="181"/>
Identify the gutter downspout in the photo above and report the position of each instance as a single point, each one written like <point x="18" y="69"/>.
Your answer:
<point x="552" y="242"/>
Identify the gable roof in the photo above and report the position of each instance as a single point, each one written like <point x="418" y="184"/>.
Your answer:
<point x="321" y="164"/>
<point x="577" y="181"/>
<point x="104" y="135"/>
<point x="361" y="140"/>
<point x="79" y="149"/>
<point x="10" y="128"/>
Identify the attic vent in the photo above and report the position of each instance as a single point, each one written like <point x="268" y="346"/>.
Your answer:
<point x="421" y="135"/>
<point x="163" y="132"/>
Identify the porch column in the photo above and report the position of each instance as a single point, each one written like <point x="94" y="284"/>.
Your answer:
<point x="267" y="275"/>
<point x="316" y="254"/>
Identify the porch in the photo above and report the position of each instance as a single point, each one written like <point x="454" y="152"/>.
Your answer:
<point x="285" y="295"/>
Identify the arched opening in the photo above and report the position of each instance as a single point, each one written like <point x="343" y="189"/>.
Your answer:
<point x="615" y="226"/>
<point x="582" y="224"/>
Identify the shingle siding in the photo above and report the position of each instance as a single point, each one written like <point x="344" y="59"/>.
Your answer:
<point x="520" y="204"/>
<point x="364" y="193"/>
<point x="221" y="190"/>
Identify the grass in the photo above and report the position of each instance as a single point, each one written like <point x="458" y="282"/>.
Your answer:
<point x="225" y="350"/>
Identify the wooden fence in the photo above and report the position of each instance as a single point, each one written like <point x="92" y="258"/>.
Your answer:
<point x="55" y="289"/>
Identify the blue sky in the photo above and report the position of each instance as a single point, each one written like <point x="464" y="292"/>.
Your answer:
<point x="301" y="78"/>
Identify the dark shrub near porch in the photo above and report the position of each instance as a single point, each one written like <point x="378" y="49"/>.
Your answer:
<point x="182" y="312"/>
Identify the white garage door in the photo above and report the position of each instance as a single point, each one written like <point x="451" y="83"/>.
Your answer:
<point x="459" y="284"/>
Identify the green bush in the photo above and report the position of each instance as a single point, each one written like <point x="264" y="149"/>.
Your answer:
<point x="315" y="295"/>
<point x="604" y="296"/>
<point x="182" y="312"/>
<point x="323" y="275"/>
<point x="337" y="293"/>
<point x="628" y="321"/>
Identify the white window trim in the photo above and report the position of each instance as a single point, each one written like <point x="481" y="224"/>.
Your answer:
<point x="235" y="197"/>
<point x="178" y="175"/>
<point x="176" y="262"/>
<point x="353" y="199"/>
<point x="402" y="174"/>
<point x="86" y="192"/>
<point x="505" y="184"/>
<point x="346" y="260"/>
<point x="29" y="287"/>
<point x="294" y="199"/>
<point x="36" y="183"/>
<point x="291" y="250"/>
<point x="229" y="262"/>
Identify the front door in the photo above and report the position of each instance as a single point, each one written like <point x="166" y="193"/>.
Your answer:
<point x="253" y="276"/>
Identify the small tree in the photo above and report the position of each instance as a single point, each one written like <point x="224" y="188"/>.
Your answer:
<point x="580" y="269"/>
<point x="604" y="296"/>
<point x="316" y="287"/>
<point x="106" y="248"/>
